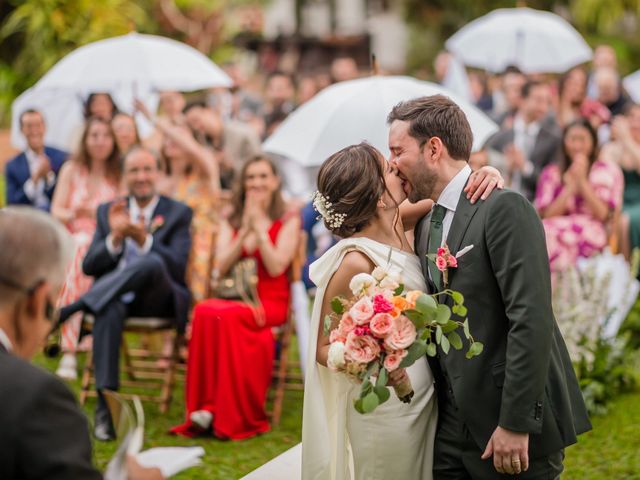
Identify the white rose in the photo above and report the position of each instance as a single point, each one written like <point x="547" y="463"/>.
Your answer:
<point x="379" y="273"/>
<point x="335" y="358"/>
<point x="361" y="282"/>
<point x="389" y="283"/>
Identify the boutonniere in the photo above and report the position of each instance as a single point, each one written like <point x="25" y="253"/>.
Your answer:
<point x="444" y="260"/>
<point x="156" y="223"/>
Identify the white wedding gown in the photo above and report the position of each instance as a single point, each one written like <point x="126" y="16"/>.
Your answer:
<point x="395" y="442"/>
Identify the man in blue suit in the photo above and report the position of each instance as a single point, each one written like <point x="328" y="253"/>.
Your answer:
<point x="139" y="257"/>
<point x="31" y="175"/>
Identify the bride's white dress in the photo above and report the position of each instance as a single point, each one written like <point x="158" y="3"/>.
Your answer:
<point x="395" y="441"/>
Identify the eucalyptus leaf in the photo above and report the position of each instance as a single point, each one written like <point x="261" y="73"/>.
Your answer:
<point x="462" y="311"/>
<point x="455" y="340"/>
<point x="383" y="376"/>
<point x="465" y="328"/>
<point x="337" y="306"/>
<point x="426" y="305"/>
<point x="366" y="387"/>
<point x="414" y="352"/>
<point x="399" y="290"/>
<point x="431" y="349"/>
<point x="358" y="405"/>
<point x="455" y="308"/>
<point x="417" y="318"/>
<point x="382" y="393"/>
<point x="457" y="297"/>
<point x="438" y="334"/>
<point x="326" y="326"/>
<point x="445" y="345"/>
<point x="370" y="402"/>
<point x="477" y="348"/>
<point x="444" y="314"/>
<point x="450" y="326"/>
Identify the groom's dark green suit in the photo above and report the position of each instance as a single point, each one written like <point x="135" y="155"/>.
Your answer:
<point x="523" y="381"/>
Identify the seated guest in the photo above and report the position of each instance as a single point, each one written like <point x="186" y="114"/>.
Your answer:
<point x="125" y="131"/>
<point x="576" y="197"/>
<point x="233" y="141"/>
<point x="89" y="178"/>
<point x="31" y="176"/>
<point x="101" y="105"/>
<point x="625" y="151"/>
<point x="138" y="255"/>
<point x="572" y="90"/>
<point x="44" y="433"/>
<point x="531" y="143"/>
<point x="231" y="350"/>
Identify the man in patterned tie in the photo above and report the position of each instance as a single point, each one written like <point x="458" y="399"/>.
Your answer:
<point x="139" y="256"/>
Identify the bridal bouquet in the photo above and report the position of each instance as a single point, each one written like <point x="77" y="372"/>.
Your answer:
<point x="383" y="328"/>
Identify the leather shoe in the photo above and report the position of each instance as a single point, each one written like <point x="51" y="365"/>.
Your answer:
<point x="103" y="430"/>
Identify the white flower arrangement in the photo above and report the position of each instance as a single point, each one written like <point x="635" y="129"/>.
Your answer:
<point x="325" y="208"/>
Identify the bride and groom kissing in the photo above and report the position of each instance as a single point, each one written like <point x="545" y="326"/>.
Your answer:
<point x="509" y="411"/>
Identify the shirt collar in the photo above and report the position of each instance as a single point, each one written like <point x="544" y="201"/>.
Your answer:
<point x="4" y="340"/>
<point x="520" y="126"/>
<point x="450" y="196"/>
<point x="146" y="211"/>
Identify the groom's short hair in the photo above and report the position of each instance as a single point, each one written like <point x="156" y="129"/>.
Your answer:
<point x="436" y="116"/>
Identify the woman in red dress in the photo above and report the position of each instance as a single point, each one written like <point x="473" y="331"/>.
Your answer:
<point x="231" y="350"/>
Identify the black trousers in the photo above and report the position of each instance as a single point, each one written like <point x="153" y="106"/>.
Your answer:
<point x="147" y="277"/>
<point x="457" y="456"/>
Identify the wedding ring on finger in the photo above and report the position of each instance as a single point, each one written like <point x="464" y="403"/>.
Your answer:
<point x="516" y="464"/>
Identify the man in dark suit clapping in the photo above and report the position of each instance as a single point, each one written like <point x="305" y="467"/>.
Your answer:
<point x="32" y="174"/>
<point x="138" y="256"/>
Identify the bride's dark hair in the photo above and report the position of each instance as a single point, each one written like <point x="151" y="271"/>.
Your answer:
<point x="352" y="179"/>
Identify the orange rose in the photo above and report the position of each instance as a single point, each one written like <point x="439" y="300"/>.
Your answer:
<point x="412" y="296"/>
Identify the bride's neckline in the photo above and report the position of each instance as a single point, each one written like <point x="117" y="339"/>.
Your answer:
<point x="386" y="245"/>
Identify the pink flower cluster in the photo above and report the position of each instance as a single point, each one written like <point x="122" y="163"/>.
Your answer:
<point x="372" y="329"/>
<point x="444" y="259"/>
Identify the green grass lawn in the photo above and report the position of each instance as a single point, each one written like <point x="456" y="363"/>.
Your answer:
<point x="610" y="451"/>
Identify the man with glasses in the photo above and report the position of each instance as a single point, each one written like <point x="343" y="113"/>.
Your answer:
<point x="43" y="433"/>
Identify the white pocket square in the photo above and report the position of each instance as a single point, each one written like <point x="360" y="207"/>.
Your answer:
<point x="463" y="251"/>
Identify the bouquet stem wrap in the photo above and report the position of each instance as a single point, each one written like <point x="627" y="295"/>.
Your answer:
<point x="404" y="391"/>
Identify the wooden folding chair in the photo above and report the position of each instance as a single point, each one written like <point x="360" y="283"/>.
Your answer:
<point x="147" y="370"/>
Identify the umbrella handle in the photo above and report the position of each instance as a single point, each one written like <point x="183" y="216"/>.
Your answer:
<point x="374" y="65"/>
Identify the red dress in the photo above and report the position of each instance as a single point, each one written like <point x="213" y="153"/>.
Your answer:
<point x="231" y="357"/>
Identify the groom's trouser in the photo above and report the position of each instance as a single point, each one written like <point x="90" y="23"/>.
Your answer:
<point x="457" y="456"/>
<point x="149" y="281"/>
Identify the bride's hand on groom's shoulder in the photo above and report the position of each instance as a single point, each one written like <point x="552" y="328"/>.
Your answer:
<point x="482" y="182"/>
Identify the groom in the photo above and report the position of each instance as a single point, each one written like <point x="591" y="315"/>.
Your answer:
<point x="514" y="408"/>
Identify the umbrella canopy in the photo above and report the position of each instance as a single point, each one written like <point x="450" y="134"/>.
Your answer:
<point x="535" y="41"/>
<point x="128" y="66"/>
<point x="350" y="112"/>
<point x="631" y="84"/>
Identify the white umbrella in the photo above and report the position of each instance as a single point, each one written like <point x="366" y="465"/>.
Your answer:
<point x="350" y="112"/>
<point x="533" y="40"/>
<point x="631" y="84"/>
<point x="128" y="66"/>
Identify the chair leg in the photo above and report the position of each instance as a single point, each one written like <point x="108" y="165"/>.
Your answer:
<point x="128" y="366"/>
<point x="87" y="374"/>
<point x="169" y="375"/>
<point x="281" y="375"/>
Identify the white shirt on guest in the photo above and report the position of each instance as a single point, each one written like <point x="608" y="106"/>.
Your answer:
<point x="524" y="139"/>
<point x="36" y="191"/>
<point x="4" y="340"/>
<point x="134" y="213"/>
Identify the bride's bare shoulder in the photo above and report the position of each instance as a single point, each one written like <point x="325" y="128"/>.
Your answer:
<point x="353" y="263"/>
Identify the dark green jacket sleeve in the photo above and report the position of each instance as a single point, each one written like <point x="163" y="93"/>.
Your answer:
<point x="518" y="254"/>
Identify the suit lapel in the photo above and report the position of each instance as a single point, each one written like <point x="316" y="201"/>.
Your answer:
<point x="461" y="220"/>
<point x="163" y="209"/>
<point x="23" y="167"/>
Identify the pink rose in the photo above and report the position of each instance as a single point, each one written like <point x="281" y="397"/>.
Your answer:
<point x="402" y="335"/>
<point x="381" y="325"/>
<point x="441" y="263"/>
<point x="337" y="336"/>
<point x="362" y="311"/>
<point x="346" y="324"/>
<point x="392" y="361"/>
<point x="361" y="349"/>
<point x="381" y="304"/>
<point x="441" y="252"/>
<point x="452" y="261"/>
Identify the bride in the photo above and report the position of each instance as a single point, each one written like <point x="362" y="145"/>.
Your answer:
<point x="396" y="440"/>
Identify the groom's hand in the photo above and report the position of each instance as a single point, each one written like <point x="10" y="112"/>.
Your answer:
<point x="510" y="451"/>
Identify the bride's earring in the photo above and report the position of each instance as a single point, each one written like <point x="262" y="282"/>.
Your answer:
<point x="382" y="205"/>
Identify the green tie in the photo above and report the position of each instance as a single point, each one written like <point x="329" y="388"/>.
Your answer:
<point x="435" y="240"/>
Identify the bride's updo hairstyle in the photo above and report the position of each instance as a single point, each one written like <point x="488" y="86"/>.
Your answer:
<point x="352" y="180"/>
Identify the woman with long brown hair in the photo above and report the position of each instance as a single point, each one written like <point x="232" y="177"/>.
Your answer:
<point x="89" y="178"/>
<point x="231" y="349"/>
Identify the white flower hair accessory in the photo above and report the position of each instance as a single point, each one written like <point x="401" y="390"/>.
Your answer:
<point x="325" y="208"/>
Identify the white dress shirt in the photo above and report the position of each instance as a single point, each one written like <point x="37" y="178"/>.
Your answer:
<point x="4" y="340"/>
<point x="134" y="213"/>
<point x="450" y="197"/>
<point x="524" y="139"/>
<point x="36" y="191"/>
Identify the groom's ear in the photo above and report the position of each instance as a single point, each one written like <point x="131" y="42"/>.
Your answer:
<point x="433" y="150"/>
